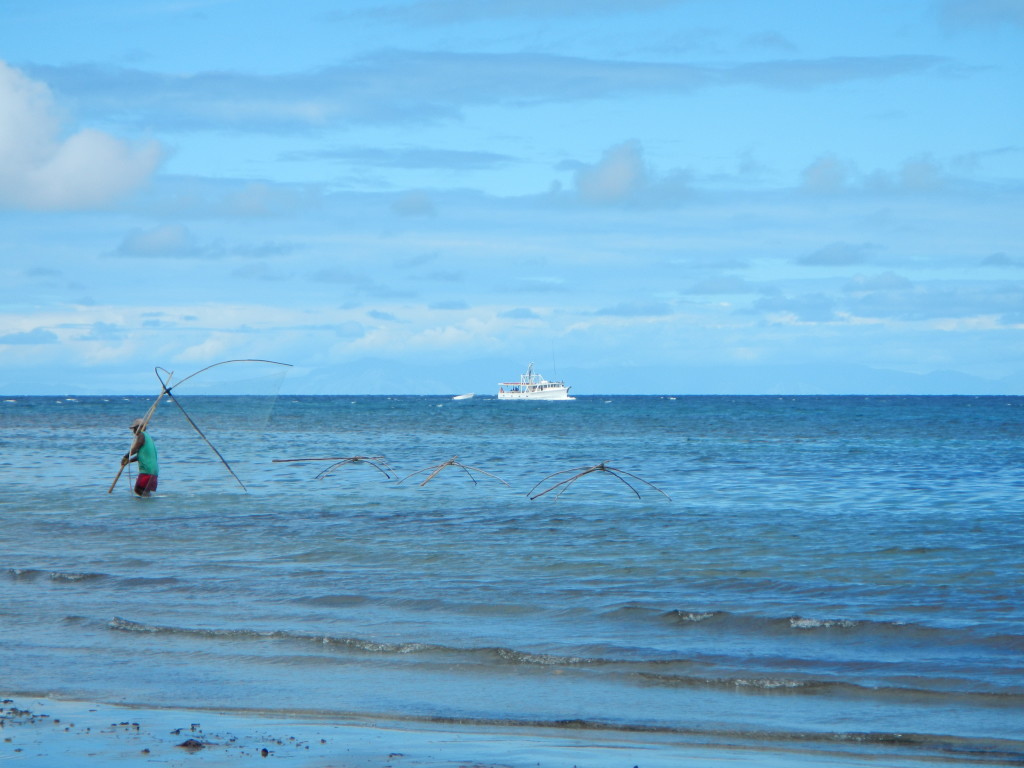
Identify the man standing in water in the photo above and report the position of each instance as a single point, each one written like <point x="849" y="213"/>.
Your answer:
<point x="143" y="451"/>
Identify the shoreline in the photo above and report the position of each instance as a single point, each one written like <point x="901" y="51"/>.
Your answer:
<point x="61" y="733"/>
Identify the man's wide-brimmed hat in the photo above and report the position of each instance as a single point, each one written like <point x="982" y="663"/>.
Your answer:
<point x="137" y="423"/>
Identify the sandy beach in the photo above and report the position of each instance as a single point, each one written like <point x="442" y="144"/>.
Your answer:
<point x="50" y="733"/>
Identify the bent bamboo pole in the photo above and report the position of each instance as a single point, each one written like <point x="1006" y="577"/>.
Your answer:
<point x="145" y="422"/>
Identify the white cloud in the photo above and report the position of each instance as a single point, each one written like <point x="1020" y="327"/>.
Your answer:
<point x="619" y="176"/>
<point x="921" y="174"/>
<point x="415" y="203"/>
<point x="422" y="87"/>
<point x="637" y="309"/>
<point x="724" y="285"/>
<point x="622" y="175"/>
<point x="1003" y="260"/>
<point x="519" y="313"/>
<point x="42" y="170"/>
<point x="35" y="336"/>
<point x="956" y="13"/>
<point x="826" y="174"/>
<point x="217" y="345"/>
<point x="170" y="240"/>
<point x="830" y="174"/>
<point x="457" y="12"/>
<point x="887" y="281"/>
<point x="805" y="308"/>
<point x="838" y="254"/>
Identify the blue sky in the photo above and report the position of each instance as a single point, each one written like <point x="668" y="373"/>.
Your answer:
<point x="659" y="196"/>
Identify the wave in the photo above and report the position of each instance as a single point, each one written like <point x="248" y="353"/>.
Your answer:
<point x="814" y="686"/>
<point x="334" y="601"/>
<point x="88" y="577"/>
<point x="672" y="672"/>
<point x="23" y="574"/>
<point x="710" y="622"/>
<point x="754" y="624"/>
<point x="148" y="581"/>
<point x="67" y="577"/>
<point x="502" y="655"/>
<point x="74" y="577"/>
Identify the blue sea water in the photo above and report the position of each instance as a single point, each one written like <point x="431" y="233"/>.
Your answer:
<point x="834" y="573"/>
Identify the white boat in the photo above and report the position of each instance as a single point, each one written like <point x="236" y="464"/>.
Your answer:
<point x="467" y="396"/>
<point x="533" y="386"/>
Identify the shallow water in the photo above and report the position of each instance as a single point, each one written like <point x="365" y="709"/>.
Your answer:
<point x="842" y="570"/>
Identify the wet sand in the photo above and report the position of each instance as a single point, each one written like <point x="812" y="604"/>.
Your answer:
<point x="50" y="733"/>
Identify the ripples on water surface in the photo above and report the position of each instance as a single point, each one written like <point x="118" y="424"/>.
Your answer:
<point x="838" y="570"/>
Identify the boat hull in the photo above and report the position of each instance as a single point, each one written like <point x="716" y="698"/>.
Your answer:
<point x="533" y="386"/>
<point x="553" y="393"/>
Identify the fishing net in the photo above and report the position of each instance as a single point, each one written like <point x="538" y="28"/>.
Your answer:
<point x="211" y="425"/>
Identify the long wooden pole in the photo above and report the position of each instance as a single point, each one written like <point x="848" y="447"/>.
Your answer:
<point x="145" y="422"/>
<point x="166" y="384"/>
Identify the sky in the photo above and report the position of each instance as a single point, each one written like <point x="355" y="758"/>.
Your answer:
<point x="424" y="196"/>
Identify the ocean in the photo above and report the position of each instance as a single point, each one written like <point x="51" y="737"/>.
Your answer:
<point x="832" y="574"/>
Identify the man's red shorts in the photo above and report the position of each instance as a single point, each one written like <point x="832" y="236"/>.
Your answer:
<point x="145" y="484"/>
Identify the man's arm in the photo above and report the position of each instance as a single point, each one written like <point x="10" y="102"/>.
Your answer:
<point x="133" y="454"/>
